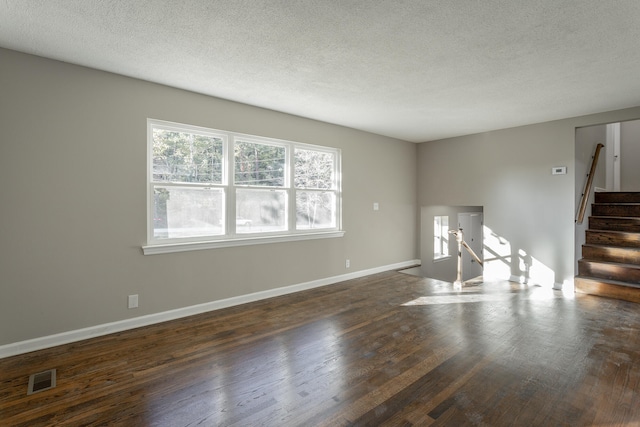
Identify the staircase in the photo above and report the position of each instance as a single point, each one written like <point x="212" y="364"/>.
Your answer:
<point x="610" y="264"/>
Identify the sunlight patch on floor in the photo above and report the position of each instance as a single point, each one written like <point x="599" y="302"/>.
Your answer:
<point x="457" y="299"/>
<point x="471" y="295"/>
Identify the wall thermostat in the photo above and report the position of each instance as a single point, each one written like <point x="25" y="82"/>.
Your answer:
<point x="559" y="170"/>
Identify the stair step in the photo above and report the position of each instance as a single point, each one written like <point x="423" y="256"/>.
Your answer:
<point x="617" y="197"/>
<point x="613" y="238"/>
<point x="611" y="254"/>
<point x="626" y="209"/>
<point x="628" y="273"/>
<point x="614" y="223"/>
<point x="607" y="288"/>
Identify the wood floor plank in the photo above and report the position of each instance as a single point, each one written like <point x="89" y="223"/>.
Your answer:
<point x="387" y="350"/>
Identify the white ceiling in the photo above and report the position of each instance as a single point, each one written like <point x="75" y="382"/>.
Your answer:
<point x="417" y="70"/>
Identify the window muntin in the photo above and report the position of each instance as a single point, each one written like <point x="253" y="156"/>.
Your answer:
<point x="440" y="237"/>
<point x="208" y="185"/>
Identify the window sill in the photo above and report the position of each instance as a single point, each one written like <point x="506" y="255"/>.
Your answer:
<point x="214" y="244"/>
<point x="442" y="258"/>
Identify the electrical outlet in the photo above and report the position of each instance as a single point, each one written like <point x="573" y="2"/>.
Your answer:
<point x="347" y="263"/>
<point x="376" y="206"/>
<point x="133" y="301"/>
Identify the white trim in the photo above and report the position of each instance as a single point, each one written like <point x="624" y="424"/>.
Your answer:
<point x="230" y="237"/>
<point x="612" y="153"/>
<point x="521" y="279"/>
<point x="254" y="240"/>
<point x="40" y="343"/>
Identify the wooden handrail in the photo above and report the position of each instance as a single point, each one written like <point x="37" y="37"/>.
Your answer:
<point x="461" y="243"/>
<point x="589" y="183"/>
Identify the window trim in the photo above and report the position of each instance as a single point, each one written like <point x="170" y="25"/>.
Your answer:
<point x="228" y="243"/>
<point x="231" y="238"/>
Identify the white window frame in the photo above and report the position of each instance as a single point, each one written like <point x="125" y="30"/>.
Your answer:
<point x="230" y="237"/>
<point x="440" y="237"/>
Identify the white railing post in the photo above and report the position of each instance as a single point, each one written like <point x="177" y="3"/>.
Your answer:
<point x="457" y="285"/>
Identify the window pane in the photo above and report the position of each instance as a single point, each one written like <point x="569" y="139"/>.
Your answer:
<point x="261" y="211"/>
<point x="259" y="164"/>
<point x="314" y="169"/>
<point x="315" y="209"/>
<point x="187" y="212"/>
<point x="445" y="236"/>
<point x="440" y="236"/>
<point x="186" y="157"/>
<point x="436" y="236"/>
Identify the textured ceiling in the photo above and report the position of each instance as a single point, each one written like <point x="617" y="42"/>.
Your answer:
<point x="417" y="70"/>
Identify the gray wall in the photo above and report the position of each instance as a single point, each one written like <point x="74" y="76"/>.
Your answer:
<point x="529" y="212"/>
<point x="630" y="156"/>
<point x="73" y="210"/>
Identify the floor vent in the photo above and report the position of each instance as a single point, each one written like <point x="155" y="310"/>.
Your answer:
<point x="42" y="381"/>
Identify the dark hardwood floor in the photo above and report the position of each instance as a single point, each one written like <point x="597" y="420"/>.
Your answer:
<point x="385" y="350"/>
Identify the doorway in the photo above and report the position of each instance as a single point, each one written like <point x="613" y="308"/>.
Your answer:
<point x="617" y="170"/>
<point x="471" y="225"/>
<point x="435" y="263"/>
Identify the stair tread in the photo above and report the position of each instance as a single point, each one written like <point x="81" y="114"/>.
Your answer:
<point x="609" y="281"/>
<point x="618" y="264"/>
<point x="606" y="217"/>
<point x="614" y="231"/>
<point x="624" y="248"/>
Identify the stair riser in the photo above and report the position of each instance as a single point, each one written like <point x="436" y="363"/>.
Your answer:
<point x="616" y="224"/>
<point x="594" y="287"/>
<point x="611" y="254"/>
<point x="615" y="210"/>
<point x="609" y="272"/>
<point x="628" y="240"/>
<point x="617" y="197"/>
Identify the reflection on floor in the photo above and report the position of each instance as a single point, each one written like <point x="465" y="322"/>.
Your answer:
<point x="417" y="271"/>
<point x="388" y="349"/>
<point x="414" y="271"/>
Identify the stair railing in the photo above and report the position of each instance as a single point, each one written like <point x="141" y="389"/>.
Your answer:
<point x="588" y="185"/>
<point x="461" y="243"/>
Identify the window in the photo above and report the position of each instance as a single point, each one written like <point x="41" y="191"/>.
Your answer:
<point x="440" y="237"/>
<point x="314" y="176"/>
<point x="212" y="188"/>
<point x="261" y="190"/>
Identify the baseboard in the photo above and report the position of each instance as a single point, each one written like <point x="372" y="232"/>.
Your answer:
<point x="40" y="343"/>
<point x="524" y="280"/>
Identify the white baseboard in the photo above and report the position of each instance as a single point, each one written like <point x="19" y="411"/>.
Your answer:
<point x="40" y="343"/>
<point x="521" y="279"/>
